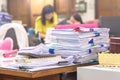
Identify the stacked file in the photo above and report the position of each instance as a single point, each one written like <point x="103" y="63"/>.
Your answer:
<point x="68" y="42"/>
<point x="36" y="51"/>
<point x="31" y="63"/>
<point x="5" y="18"/>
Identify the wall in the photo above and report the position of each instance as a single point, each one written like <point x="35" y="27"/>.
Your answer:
<point x="90" y="14"/>
<point x="3" y="2"/>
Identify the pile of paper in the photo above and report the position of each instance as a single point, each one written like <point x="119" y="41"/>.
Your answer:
<point x="36" y="57"/>
<point x="84" y="45"/>
<point x="5" y="18"/>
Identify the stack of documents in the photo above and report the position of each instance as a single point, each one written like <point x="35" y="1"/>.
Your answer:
<point x="36" y="62"/>
<point x="68" y="42"/>
<point x="5" y="18"/>
<point x="36" y="51"/>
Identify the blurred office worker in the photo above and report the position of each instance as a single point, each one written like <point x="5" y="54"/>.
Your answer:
<point x="48" y="19"/>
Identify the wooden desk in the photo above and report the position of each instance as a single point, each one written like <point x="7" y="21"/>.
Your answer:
<point x="50" y="74"/>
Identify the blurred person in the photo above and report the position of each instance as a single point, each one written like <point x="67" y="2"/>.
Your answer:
<point x="76" y="19"/>
<point x="48" y="19"/>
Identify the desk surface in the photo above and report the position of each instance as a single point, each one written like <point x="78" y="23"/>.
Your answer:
<point x="41" y="73"/>
<point x="97" y="72"/>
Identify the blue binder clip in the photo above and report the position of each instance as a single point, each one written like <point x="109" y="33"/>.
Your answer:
<point x="89" y="51"/>
<point x="91" y="42"/>
<point x="97" y="34"/>
<point x="51" y="51"/>
<point x="91" y="30"/>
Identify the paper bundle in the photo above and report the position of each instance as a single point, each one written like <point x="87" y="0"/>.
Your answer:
<point x="69" y="42"/>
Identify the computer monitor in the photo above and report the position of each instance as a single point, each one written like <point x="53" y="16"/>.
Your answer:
<point x="112" y="22"/>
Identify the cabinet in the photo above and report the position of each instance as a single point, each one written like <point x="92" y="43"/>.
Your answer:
<point x="107" y="8"/>
<point x="27" y="10"/>
<point x="65" y="7"/>
<point x="18" y="8"/>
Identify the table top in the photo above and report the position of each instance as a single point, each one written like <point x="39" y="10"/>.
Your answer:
<point x="98" y="72"/>
<point x="42" y="73"/>
<point x="101" y="68"/>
